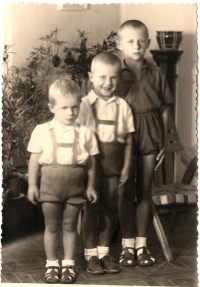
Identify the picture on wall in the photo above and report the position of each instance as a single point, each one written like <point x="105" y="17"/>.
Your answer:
<point x="75" y="7"/>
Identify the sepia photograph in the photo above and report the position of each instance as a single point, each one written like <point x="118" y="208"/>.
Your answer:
<point x="99" y="144"/>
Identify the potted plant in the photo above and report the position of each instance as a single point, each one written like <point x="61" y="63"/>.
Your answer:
<point x="23" y="107"/>
<point x="11" y="129"/>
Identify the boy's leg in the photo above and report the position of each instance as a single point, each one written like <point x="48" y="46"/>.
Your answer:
<point x="126" y="218"/>
<point x="108" y="209"/>
<point x="145" y="174"/>
<point x="69" y="227"/>
<point x="108" y="212"/>
<point x="90" y="234"/>
<point x="52" y="216"/>
<point x="89" y="224"/>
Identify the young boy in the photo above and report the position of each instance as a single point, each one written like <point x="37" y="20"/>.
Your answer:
<point x="145" y="88"/>
<point x="65" y="150"/>
<point x="111" y="119"/>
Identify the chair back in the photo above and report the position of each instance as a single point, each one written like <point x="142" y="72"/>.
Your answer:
<point x="165" y="173"/>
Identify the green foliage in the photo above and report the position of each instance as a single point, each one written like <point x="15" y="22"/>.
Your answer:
<point x="78" y="59"/>
<point x="25" y="90"/>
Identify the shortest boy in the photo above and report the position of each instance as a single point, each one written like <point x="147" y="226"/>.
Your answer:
<point x="111" y="119"/>
<point x="65" y="150"/>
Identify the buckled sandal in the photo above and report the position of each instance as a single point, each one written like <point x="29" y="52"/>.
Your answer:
<point x="52" y="274"/>
<point x="144" y="258"/>
<point x="127" y="258"/>
<point x="68" y="275"/>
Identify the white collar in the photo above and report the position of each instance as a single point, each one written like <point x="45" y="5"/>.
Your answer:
<point x="55" y="124"/>
<point x="92" y="96"/>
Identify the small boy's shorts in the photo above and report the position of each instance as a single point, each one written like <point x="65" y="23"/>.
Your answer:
<point x="63" y="184"/>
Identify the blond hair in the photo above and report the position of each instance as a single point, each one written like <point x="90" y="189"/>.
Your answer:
<point x="106" y="58"/>
<point x="135" y="24"/>
<point x="64" y="87"/>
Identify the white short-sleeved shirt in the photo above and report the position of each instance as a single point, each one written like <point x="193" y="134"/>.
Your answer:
<point x="106" y="110"/>
<point x="41" y="142"/>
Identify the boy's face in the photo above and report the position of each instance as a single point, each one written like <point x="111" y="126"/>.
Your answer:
<point x="104" y="78"/>
<point x="134" y="42"/>
<point x="66" y="109"/>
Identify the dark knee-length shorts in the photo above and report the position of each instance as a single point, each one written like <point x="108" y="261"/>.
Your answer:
<point x="63" y="184"/>
<point x="147" y="138"/>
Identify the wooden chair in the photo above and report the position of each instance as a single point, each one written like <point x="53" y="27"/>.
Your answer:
<point x="170" y="196"/>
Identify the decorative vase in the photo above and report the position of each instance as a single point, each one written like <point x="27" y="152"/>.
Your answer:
<point x="169" y="40"/>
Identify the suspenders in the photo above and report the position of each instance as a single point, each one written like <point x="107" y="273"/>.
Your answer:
<point x="106" y="122"/>
<point x="56" y="145"/>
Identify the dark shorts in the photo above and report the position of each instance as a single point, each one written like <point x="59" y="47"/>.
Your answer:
<point x="147" y="138"/>
<point x="109" y="161"/>
<point x="63" y="184"/>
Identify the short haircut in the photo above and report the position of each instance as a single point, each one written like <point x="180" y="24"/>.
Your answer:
<point x="64" y="87"/>
<point x="135" y="24"/>
<point x="106" y="58"/>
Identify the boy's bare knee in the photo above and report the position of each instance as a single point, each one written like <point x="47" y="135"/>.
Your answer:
<point x="53" y="228"/>
<point x="68" y="225"/>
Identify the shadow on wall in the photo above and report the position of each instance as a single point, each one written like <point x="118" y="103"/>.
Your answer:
<point x="186" y="113"/>
<point x="187" y="93"/>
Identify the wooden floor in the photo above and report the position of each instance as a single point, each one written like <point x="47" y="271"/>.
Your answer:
<point x="23" y="259"/>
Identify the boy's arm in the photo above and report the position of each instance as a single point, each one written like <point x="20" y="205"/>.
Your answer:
<point x="161" y="154"/>
<point x="127" y="159"/>
<point x="91" y="192"/>
<point x="33" y="170"/>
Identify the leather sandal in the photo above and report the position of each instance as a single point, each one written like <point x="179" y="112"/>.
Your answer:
<point x="144" y="258"/>
<point x="127" y="258"/>
<point x="52" y="274"/>
<point x="68" y="275"/>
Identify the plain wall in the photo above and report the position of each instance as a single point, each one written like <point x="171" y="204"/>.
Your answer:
<point x="29" y="22"/>
<point x="26" y="23"/>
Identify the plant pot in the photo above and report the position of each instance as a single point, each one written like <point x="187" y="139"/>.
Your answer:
<point x="169" y="40"/>
<point x="23" y="170"/>
<point x="14" y="182"/>
<point x="17" y="218"/>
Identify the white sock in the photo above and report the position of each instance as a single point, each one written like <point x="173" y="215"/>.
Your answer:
<point x="128" y="242"/>
<point x="68" y="262"/>
<point x="90" y="252"/>
<point x="140" y="242"/>
<point x="102" y="251"/>
<point x="54" y="263"/>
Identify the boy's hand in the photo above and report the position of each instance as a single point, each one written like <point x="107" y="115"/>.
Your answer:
<point x="160" y="158"/>
<point x="33" y="194"/>
<point x="123" y="177"/>
<point x="91" y="195"/>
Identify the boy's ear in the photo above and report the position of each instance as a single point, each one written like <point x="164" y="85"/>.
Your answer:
<point x="118" y="43"/>
<point x="90" y="76"/>
<point x="50" y="106"/>
<point x="149" y="42"/>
